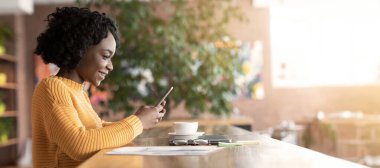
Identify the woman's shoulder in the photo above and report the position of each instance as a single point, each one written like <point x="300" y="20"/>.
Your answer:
<point x="50" y="82"/>
<point x="51" y="87"/>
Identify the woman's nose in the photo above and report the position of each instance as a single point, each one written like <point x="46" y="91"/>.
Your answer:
<point x="109" y="65"/>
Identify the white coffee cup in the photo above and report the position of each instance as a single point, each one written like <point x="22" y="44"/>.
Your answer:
<point x="185" y="128"/>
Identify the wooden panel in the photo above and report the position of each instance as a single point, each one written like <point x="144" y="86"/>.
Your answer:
<point x="9" y="114"/>
<point x="9" y="142"/>
<point x="8" y="155"/>
<point x="25" y="82"/>
<point x="7" y="57"/>
<point x="8" y="86"/>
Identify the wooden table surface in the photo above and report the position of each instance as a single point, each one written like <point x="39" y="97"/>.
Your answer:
<point x="210" y="122"/>
<point x="268" y="153"/>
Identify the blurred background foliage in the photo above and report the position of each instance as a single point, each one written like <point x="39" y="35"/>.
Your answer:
<point x="6" y="34"/>
<point x="172" y="43"/>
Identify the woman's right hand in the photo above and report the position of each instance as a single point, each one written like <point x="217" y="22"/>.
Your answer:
<point x="149" y="115"/>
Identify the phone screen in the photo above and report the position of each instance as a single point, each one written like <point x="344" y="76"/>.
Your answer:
<point x="166" y="95"/>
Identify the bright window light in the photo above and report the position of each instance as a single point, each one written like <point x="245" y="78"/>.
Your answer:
<point x="325" y="43"/>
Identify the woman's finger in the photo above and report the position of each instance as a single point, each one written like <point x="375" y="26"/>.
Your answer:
<point x="160" y="115"/>
<point x="158" y="108"/>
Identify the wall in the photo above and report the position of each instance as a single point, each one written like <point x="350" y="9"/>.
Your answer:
<point x="294" y="104"/>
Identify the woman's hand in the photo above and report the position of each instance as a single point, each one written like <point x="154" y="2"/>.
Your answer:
<point x="150" y="115"/>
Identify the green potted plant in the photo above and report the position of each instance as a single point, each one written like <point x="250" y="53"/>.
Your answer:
<point x="2" y="105"/>
<point x="5" y="34"/>
<point x="4" y="130"/>
<point x="172" y="43"/>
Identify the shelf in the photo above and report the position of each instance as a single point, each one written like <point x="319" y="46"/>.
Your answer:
<point x="9" y="143"/>
<point x="9" y="114"/>
<point x="8" y="86"/>
<point x="7" y="57"/>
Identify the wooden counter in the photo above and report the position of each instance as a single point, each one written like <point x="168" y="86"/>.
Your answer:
<point x="268" y="153"/>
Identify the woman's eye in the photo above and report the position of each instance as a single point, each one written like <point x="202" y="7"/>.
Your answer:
<point x="105" y="57"/>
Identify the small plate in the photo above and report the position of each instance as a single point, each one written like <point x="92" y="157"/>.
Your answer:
<point x="196" y="134"/>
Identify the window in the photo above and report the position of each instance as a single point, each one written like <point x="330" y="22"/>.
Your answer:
<point x="325" y="43"/>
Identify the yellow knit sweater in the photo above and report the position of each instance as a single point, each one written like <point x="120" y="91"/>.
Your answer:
<point x="65" y="128"/>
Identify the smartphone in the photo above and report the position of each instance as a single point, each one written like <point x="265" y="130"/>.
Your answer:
<point x="166" y="95"/>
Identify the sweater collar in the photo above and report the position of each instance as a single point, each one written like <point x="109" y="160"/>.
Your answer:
<point x="70" y="83"/>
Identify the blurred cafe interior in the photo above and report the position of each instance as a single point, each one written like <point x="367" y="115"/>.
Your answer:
<point x="305" y="73"/>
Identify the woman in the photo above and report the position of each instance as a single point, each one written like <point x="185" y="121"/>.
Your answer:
<point x="66" y="130"/>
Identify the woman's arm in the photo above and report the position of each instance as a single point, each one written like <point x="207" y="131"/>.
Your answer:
<point x="67" y="131"/>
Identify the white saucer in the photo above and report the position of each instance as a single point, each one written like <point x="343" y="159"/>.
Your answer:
<point x="196" y="134"/>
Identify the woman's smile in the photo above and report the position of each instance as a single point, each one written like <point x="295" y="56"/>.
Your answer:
<point x="103" y="74"/>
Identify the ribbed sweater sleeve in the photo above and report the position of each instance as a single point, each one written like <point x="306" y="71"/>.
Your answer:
<point x="65" y="129"/>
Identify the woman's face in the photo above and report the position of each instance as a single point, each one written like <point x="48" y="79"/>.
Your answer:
<point x="96" y="63"/>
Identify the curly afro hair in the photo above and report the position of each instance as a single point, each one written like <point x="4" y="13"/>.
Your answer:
<point x="70" y="32"/>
